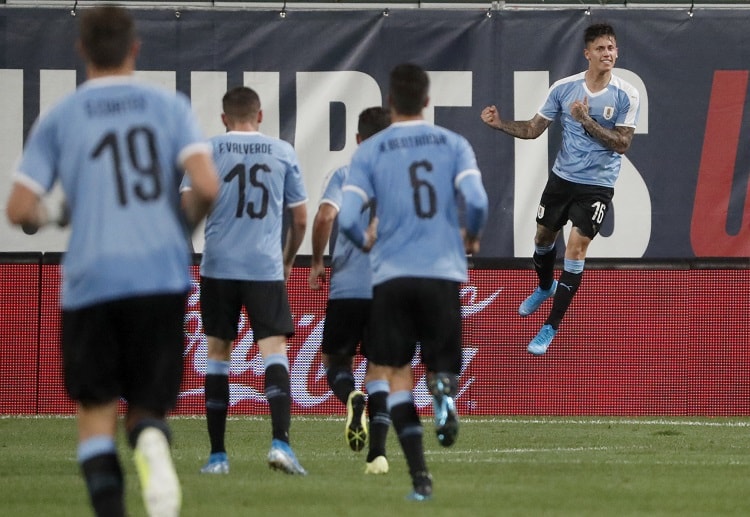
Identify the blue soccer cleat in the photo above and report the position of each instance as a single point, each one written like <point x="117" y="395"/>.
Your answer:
<point x="540" y="343"/>
<point x="444" y="407"/>
<point x="217" y="464"/>
<point x="281" y="457"/>
<point x="535" y="299"/>
<point x="422" y="484"/>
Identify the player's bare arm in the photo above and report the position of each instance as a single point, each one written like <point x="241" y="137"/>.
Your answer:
<point x="197" y="201"/>
<point x="471" y="242"/>
<point x="371" y="235"/>
<point x="294" y="236"/>
<point x="526" y="129"/>
<point x="617" y="139"/>
<point x="26" y="209"/>
<point x="321" y="232"/>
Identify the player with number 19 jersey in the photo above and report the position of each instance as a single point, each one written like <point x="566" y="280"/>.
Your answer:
<point x="259" y="176"/>
<point x="422" y="167"/>
<point x="128" y="236"/>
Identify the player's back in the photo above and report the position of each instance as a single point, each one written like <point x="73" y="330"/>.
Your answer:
<point x="115" y="146"/>
<point x="258" y="175"/>
<point x="413" y="168"/>
<point x="351" y="273"/>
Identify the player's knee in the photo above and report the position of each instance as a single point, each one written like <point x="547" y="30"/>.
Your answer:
<point x="337" y="361"/>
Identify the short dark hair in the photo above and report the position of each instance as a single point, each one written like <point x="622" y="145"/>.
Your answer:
<point x="409" y="87"/>
<point x="597" y="30"/>
<point x="241" y="103"/>
<point x="372" y="120"/>
<point x="106" y="35"/>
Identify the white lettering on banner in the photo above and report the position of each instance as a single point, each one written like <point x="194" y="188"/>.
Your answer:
<point x="632" y="217"/>
<point x="356" y="91"/>
<point x="301" y="365"/>
<point x="315" y="93"/>
<point x="532" y="163"/>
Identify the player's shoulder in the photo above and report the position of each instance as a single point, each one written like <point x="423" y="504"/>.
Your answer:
<point x="335" y="175"/>
<point x="370" y="148"/>
<point x="451" y="138"/>
<point x="339" y="173"/>
<point x="571" y="81"/>
<point x="624" y="86"/>
<point x="285" y="148"/>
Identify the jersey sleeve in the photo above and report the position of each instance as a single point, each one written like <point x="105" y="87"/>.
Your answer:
<point x="357" y="191"/>
<point x="190" y="139"/>
<point x="36" y="168"/>
<point x="552" y="106"/>
<point x="332" y="188"/>
<point x="627" y="115"/>
<point x="294" y="185"/>
<point x="469" y="182"/>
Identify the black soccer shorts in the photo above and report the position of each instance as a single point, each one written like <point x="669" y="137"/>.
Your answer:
<point x="130" y="348"/>
<point x="585" y="206"/>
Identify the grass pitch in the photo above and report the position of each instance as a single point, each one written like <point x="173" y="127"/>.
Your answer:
<point x="498" y="467"/>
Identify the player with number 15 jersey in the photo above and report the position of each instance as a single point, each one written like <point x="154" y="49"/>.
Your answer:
<point x="259" y="176"/>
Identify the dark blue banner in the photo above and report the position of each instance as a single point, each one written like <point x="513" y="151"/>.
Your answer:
<point x="683" y="188"/>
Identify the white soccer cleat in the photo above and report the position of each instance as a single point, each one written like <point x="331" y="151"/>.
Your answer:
<point x="377" y="466"/>
<point x="160" y="486"/>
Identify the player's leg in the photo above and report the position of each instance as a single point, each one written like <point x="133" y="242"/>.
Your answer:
<point x="392" y="346"/>
<point x="151" y="330"/>
<point x="221" y="303"/>
<point x="216" y="389"/>
<point x="379" y="420"/>
<point x="150" y="437"/>
<point x="567" y="286"/>
<point x="551" y="216"/>
<point x="439" y="330"/>
<point x="338" y="347"/>
<point x="342" y="333"/>
<point x="97" y="457"/>
<point x="409" y="430"/>
<point x="91" y="378"/>
<point x="268" y="309"/>
<point x="277" y="388"/>
<point x="587" y="212"/>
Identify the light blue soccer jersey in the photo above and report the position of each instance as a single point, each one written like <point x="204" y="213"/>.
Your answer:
<point x="350" y="267"/>
<point x="414" y="171"/>
<point x="117" y="147"/>
<point x="582" y="158"/>
<point x="259" y="175"/>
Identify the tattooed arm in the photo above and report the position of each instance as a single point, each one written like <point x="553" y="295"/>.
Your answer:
<point x="617" y="139"/>
<point x="525" y="129"/>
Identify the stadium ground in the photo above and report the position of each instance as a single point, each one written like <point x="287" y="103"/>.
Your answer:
<point x="499" y="466"/>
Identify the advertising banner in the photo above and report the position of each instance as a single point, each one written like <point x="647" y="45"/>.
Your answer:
<point x="625" y="348"/>
<point x="682" y="191"/>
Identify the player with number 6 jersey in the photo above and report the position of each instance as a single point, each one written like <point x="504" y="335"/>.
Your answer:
<point x="422" y="167"/>
<point x="418" y="174"/>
